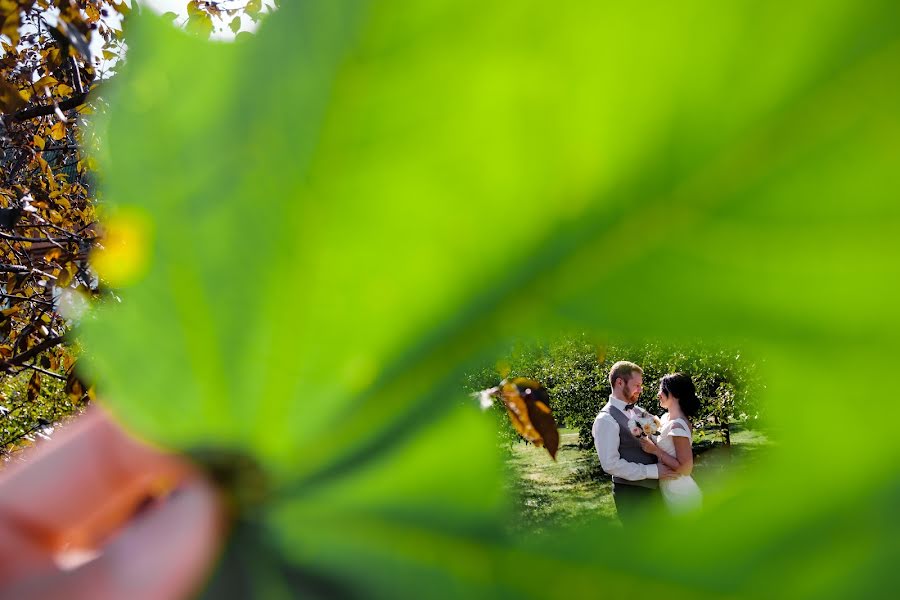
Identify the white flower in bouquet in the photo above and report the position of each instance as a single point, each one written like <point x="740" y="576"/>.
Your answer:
<point x="635" y="429"/>
<point x="645" y="424"/>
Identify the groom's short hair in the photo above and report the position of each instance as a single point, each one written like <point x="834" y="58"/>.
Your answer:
<point x="623" y="370"/>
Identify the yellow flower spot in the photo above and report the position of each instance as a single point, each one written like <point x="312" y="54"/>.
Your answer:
<point x="123" y="255"/>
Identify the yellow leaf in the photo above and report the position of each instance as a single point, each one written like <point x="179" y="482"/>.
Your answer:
<point x="53" y="254"/>
<point x="10" y="27"/>
<point x="201" y="24"/>
<point x="39" y="142"/>
<point x="58" y="131"/>
<point x="194" y="9"/>
<point x="11" y="99"/>
<point x="54" y="59"/>
<point x="64" y="90"/>
<point x="92" y="13"/>
<point x="66" y="275"/>
<point x="45" y="81"/>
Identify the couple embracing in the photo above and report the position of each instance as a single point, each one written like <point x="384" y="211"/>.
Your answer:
<point x="648" y="469"/>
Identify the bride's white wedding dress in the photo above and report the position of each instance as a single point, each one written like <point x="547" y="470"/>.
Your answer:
<point x="681" y="494"/>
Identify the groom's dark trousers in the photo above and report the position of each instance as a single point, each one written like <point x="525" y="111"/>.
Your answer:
<point x="634" y="502"/>
<point x="633" y="499"/>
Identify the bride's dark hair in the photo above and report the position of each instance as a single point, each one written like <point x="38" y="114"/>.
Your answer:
<point x="681" y="386"/>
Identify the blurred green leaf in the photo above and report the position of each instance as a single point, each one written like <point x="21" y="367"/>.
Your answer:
<point x="349" y="209"/>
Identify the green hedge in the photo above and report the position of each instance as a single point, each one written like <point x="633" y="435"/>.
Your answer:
<point x="575" y="373"/>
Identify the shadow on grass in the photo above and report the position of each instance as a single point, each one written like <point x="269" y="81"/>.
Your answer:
<point x="552" y="495"/>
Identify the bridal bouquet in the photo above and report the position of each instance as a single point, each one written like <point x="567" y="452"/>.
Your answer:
<point x="645" y="424"/>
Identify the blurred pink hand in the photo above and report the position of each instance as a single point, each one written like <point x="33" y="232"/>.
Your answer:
<point x="154" y="520"/>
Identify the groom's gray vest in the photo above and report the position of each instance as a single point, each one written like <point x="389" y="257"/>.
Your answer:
<point x="630" y="449"/>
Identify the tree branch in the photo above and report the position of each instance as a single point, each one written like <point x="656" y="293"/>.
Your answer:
<point x="19" y="359"/>
<point x="48" y="109"/>
<point x="46" y="372"/>
<point x="76" y="75"/>
<point x="14" y="269"/>
<point x="34" y="299"/>
<point x="19" y="238"/>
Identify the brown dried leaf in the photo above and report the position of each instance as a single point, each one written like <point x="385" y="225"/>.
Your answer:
<point x="34" y="387"/>
<point x="528" y="406"/>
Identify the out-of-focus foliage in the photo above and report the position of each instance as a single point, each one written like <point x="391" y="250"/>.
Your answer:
<point x="53" y="57"/>
<point x="347" y="213"/>
<point x="576" y="374"/>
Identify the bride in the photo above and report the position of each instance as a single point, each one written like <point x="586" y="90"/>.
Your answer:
<point x="673" y="445"/>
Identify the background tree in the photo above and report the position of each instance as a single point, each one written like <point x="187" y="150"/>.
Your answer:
<point x="575" y="373"/>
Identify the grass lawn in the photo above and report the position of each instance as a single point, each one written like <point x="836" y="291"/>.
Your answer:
<point x="564" y="493"/>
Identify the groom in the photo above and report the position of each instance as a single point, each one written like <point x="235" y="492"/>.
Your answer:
<point x="635" y="473"/>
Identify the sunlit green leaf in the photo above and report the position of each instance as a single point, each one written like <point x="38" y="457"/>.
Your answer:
<point x="350" y="208"/>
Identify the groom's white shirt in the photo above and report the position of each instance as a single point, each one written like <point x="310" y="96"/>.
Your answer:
<point x="606" y="439"/>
